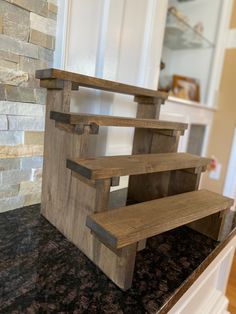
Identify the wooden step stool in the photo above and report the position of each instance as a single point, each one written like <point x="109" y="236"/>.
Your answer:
<point x="162" y="183"/>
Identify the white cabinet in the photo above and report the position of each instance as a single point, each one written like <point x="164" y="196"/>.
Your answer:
<point x="207" y="294"/>
<point x="194" y="47"/>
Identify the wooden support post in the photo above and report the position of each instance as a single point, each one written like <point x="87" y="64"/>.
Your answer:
<point x="151" y="186"/>
<point x="214" y="226"/>
<point x="146" y="142"/>
<point x="67" y="199"/>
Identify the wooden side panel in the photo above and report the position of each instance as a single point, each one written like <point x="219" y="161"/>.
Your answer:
<point x="182" y="181"/>
<point x="67" y="200"/>
<point x="150" y="186"/>
<point x="214" y="226"/>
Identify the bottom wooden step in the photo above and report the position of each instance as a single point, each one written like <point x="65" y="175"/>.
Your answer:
<point x="127" y="225"/>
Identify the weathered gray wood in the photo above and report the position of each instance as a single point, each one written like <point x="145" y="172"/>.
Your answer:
<point x="124" y="226"/>
<point x="68" y="198"/>
<point x="116" y="166"/>
<point x="97" y="83"/>
<point x="167" y="128"/>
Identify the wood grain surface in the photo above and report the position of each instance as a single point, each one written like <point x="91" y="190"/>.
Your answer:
<point x="106" y="120"/>
<point x="125" y="226"/>
<point x="97" y="83"/>
<point x="115" y="166"/>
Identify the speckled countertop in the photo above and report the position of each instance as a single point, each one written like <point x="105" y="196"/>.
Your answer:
<point x="42" y="272"/>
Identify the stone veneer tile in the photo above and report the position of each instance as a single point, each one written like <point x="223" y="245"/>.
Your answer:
<point x="14" y="13"/>
<point x="21" y="99"/>
<point x="21" y="109"/>
<point x="42" y="24"/>
<point x="15" y="30"/>
<point x="31" y="162"/>
<point x="21" y="123"/>
<point x="11" y="203"/>
<point x="29" y="187"/>
<point x="1" y="24"/>
<point x="46" y="55"/>
<point x="41" y="39"/>
<point x="9" y="163"/>
<point x="53" y="1"/>
<point x="7" y="191"/>
<point x="36" y="174"/>
<point x="30" y="65"/>
<point x="16" y="93"/>
<point x="11" y="137"/>
<point x="18" y="47"/>
<point x="6" y="55"/>
<point x="3" y="123"/>
<point x="21" y="150"/>
<point x="33" y="138"/>
<point x="15" y="176"/>
<point x="19" y="201"/>
<point x="52" y="7"/>
<point x="12" y="77"/>
<point x="40" y="95"/>
<point x="8" y="64"/>
<point x="31" y="199"/>
<point x="38" y="6"/>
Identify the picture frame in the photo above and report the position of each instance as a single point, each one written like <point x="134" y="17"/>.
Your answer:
<point x="186" y="88"/>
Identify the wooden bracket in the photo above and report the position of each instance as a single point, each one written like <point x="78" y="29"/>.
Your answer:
<point x="57" y="84"/>
<point x="115" y="181"/>
<point x="172" y="133"/>
<point x="194" y="170"/>
<point x="148" y="107"/>
<point x="77" y="128"/>
<point x="149" y="100"/>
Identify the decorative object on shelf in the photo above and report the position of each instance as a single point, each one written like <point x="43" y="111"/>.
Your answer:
<point x="199" y="28"/>
<point x="171" y="19"/>
<point x="165" y="84"/>
<point x="162" y="65"/>
<point x="179" y="34"/>
<point x="185" y="88"/>
<point x="213" y="164"/>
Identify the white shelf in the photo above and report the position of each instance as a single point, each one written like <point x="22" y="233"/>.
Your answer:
<point x="179" y="35"/>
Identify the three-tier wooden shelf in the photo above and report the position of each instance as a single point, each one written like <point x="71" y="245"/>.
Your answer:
<point x="163" y="184"/>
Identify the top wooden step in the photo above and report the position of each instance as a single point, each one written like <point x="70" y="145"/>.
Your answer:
<point x="120" y="227"/>
<point x="116" y="166"/>
<point x="105" y="120"/>
<point x="97" y="83"/>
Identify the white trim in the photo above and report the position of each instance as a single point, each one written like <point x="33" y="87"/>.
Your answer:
<point x="199" y="283"/>
<point x="191" y="103"/>
<point x="219" y="51"/>
<point x="148" y="30"/>
<point x="67" y="33"/>
<point x="62" y="34"/>
<point x="230" y="181"/>
<point x="104" y="20"/>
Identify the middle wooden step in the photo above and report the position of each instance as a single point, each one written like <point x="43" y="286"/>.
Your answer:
<point x="108" y="120"/>
<point x="117" y="166"/>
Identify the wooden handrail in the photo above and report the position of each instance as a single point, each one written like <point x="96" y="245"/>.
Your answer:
<point x="97" y="83"/>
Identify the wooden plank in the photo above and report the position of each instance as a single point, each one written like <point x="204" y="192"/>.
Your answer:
<point x="116" y="166"/>
<point x="97" y="83"/>
<point x="125" y="226"/>
<point x="106" y="120"/>
<point x="68" y="198"/>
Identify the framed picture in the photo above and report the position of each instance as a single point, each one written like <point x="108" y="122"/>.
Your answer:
<point x="186" y="88"/>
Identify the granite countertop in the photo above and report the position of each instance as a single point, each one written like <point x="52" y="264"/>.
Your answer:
<point x="42" y="272"/>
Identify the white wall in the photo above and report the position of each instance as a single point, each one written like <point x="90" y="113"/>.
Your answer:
<point x="116" y="40"/>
